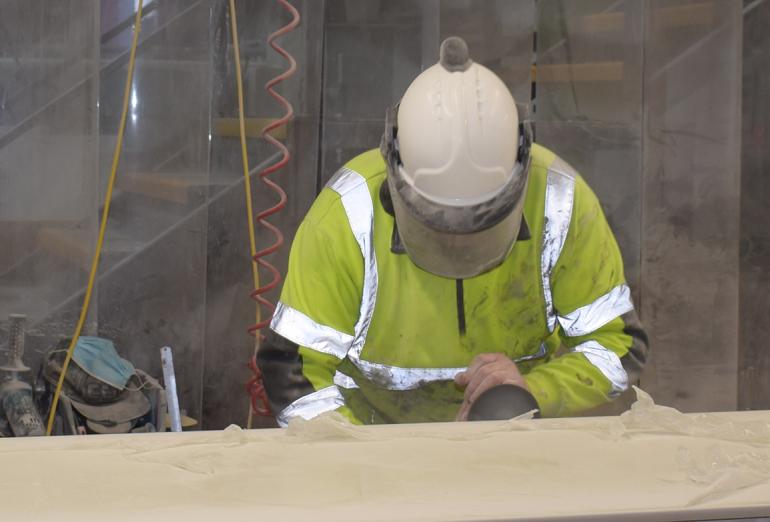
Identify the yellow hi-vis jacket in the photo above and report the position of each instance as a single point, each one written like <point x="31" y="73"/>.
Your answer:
<point x="368" y="333"/>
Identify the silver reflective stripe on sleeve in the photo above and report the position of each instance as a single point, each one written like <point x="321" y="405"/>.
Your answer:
<point x="608" y="363"/>
<point x="590" y="318"/>
<point x="311" y="405"/>
<point x="397" y="378"/>
<point x="344" y="381"/>
<point x="559" y="196"/>
<point x="357" y="201"/>
<point x="400" y="379"/>
<point x="299" y="328"/>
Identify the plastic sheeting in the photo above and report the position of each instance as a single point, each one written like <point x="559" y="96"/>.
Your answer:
<point x="652" y="463"/>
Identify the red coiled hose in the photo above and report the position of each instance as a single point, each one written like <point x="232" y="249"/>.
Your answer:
<point x="255" y="387"/>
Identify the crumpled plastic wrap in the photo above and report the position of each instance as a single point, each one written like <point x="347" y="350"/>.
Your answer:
<point x="645" y="416"/>
<point x="737" y="460"/>
<point x="328" y="426"/>
<point x="739" y="457"/>
<point x="652" y="459"/>
<point x="723" y="471"/>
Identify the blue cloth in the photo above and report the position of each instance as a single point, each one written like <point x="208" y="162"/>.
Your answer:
<point x="99" y="358"/>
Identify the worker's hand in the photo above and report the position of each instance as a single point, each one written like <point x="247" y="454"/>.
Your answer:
<point x="486" y="371"/>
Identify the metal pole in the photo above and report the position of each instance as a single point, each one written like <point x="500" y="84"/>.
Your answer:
<point x="169" y="381"/>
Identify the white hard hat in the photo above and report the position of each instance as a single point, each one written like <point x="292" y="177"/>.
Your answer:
<point x="458" y="161"/>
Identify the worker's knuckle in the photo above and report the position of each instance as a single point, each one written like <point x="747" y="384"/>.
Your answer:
<point x="486" y="370"/>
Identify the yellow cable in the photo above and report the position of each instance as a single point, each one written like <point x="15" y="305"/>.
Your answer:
<point x="103" y="225"/>
<point x="246" y="178"/>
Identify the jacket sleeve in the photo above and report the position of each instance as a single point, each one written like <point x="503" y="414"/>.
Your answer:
<point x="596" y="321"/>
<point x="314" y="321"/>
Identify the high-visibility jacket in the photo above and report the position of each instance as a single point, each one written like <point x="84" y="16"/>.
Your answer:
<point x="381" y="340"/>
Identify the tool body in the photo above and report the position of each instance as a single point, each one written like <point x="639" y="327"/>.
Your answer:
<point x="16" y="398"/>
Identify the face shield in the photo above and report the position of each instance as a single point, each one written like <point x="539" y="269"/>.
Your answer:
<point x="456" y="241"/>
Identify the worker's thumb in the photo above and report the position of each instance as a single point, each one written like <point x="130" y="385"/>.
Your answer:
<point x="461" y="379"/>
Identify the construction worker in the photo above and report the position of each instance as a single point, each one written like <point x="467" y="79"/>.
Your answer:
<point x="457" y="257"/>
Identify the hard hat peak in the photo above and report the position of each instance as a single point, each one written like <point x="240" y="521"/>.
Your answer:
<point x="454" y="56"/>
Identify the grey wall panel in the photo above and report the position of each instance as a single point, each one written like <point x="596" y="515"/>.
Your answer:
<point x="754" y="357"/>
<point x="691" y="205"/>
<point x="48" y="150"/>
<point x="589" y="57"/>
